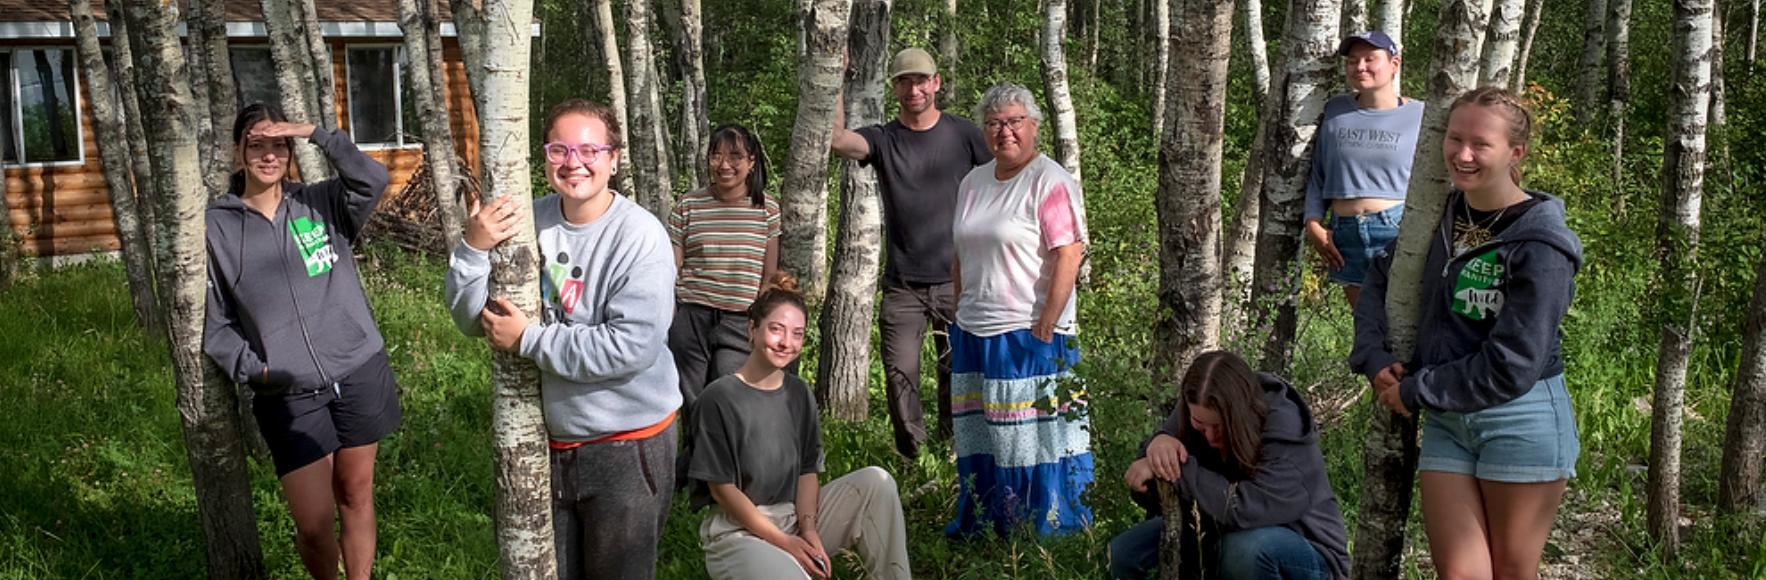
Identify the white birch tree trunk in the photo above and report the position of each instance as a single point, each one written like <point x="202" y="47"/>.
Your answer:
<point x="213" y="66"/>
<point x="1618" y="29"/>
<point x="695" y="121"/>
<point x="324" y="88"/>
<point x="950" y="98"/>
<point x="523" y="508"/>
<point x="1309" y="59"/>
<point x="1392" y="14"/>
<point x="1161" y="57"/>
<point x="1502" y="40"/>
<point x="1677" y="243"/>
<point x="1719" y="86"/>
<point x="647" y="145"/>
<point x="1744" y="439"/>
<point x="1252" y="11"/>
<point x="1054" y="81"/>
<point x="123" y="44"/>
<point x="439" y="157"/>
<point x="1390" y="451"/>
<point x="1239" y="257"/>
<point x="1753" y="32"/>
<point x="1588" y="68"/>
<point x="1535" y="13"/>
<point x="294" y="78"/>
<point x="805" y="241"/>
<point x="207" y="406"/>
<point x="1355" y="17"/>
<point x="843" y="371"/>
<point x="626" y="178"/>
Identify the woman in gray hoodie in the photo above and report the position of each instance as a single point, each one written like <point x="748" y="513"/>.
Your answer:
<point x="1244" y="447"/>
<point x="286" y="315"/>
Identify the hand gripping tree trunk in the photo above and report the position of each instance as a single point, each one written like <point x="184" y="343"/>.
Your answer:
<point x="415" y="20"/>
<point x="113" y="152"/>
<point x="1162" y="58"/>
<point x="695" y="122"/>
<point x="523" y="505"/>
<point x="1298" y="100"/>
<point x="294" y="78"/>
<point x="1677" y="242"/>
<point x="1744" y="440"/>
<point x="1502" y="40"/>
<point x="1390" y="455"/>
<point x="1188" y="203"/>
<point x="1588" y="71"/>
<point x="626" y="178"/>
<point x="844" y="370"/>
<point x="1239" y="258"/>
<point x="1535" y="13"/>
<point x="1618" y="82"/>
<point x="805" y="243"/>
<point x="646" y="143"/>
<point x="205" y="404"/>
<point x="1054" y="82"/>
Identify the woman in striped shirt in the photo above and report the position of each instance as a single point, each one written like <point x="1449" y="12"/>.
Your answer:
<point x="726" y="241"/>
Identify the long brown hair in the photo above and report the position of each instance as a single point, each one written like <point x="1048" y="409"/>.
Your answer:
<point x="1221" y="381"/>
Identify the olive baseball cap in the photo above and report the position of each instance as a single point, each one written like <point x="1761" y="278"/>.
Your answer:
<point x="912" y="61"/>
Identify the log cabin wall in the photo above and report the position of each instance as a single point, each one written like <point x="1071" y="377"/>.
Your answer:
<point x="63" y="209"/>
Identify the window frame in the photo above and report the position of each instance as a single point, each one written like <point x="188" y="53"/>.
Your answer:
<point x="16" y="89"/>
<point x="398" y="96"/>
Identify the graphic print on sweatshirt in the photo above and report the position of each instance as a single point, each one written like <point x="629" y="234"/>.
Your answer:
<point x="1477" y="294"/>
<point x="314" y="243"/>
<point x="561" y="288"/>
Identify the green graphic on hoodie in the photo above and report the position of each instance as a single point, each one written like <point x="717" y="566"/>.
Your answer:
<point x="1475" y="295"/>
<point x="314" y="244"/>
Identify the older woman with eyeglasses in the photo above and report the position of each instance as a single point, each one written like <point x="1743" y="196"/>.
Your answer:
<point x="1022" y="441"/>
<point x="607" y="383"/>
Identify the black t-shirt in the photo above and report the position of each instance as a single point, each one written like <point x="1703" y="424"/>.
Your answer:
<point x="1473" y="227"/>
<point x="761" y="441"/>
<point x="919" y="172"/>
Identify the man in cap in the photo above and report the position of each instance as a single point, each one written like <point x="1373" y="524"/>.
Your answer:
<point x="1361" y="162"/>
<point x="920" y="158"/>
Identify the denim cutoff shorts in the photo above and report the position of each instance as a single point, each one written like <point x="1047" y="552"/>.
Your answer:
<point x="1359" y="238"/>
<point x="1531" y="439"/>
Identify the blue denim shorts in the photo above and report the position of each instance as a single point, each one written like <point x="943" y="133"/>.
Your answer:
<point x="1531" y="439"/>
<point x="1359" y="238"/>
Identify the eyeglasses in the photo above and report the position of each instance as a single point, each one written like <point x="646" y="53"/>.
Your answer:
<point x="731" y="158"/>
<point x="587" y="153"/>
<point x="1012" y="123"/>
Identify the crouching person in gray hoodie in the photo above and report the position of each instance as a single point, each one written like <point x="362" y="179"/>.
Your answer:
<point x="1244" y="447"/>
<point x="286" y="316"/>
<point x="607" y="381"/>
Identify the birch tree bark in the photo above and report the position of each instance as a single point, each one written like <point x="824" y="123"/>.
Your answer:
<point x="1054" y="81"/>
<point x="805" y="240"/>
<point x="1355" y="17"/>
<point x="439" y="157"/>
<point x="1744" y="439"/>
<point x="1719" y="86"/>
<point x="1502" y="40"/>
<point x="1535" y="13"/>
<point x="843" y="371"/>
<point x="206" y="406"/>
<point x="1392" y="14"/>
<point x="294" y="78"/>
<point x="695" y="121"/>
<point x="523" y="504"/>
<point x="1161" y="57"/>
<point x="647" y="145"/>
<point x="1618" y="81"/>
<point x="324" y="88"/>
<point x="1677" y="244"/>
<point x="626" y="178"/>
<point x="1588" y="71"/>
<point x="207" y="27"/>
<point x="113" y="153"/>
<point x="1309" y="48"/>
<point x="1390" y="452"/>
<point x="1753" y="32"/>
<point x="1180" y="553"/>
<point x="123" y="44"/>
<point x="949" y="97"/>
<point x="1239" y="258"/>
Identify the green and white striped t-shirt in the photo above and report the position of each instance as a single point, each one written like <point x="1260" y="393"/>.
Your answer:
<point x="724" y="246"/>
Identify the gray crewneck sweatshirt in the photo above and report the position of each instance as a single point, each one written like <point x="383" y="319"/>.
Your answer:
<point x="1361" y="152"/>
<point x="607" y="299"/>
<point x="285" y="302"/>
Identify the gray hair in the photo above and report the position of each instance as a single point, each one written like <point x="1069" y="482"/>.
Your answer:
<point x="1000" y="95"/>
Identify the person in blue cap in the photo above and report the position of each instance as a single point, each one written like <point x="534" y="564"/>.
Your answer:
<point x="1361" y="162"/>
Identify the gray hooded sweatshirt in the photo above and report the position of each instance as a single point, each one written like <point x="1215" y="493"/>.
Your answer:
<point x="1490" y="318"/>
<point x="284" y="296"/>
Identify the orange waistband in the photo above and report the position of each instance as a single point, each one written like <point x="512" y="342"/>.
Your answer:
<point x="632" y="435"/>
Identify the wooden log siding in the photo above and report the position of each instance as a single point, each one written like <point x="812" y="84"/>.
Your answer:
<point x="63" y="209"/>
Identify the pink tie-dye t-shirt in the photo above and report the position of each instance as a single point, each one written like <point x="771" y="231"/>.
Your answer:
<point x="1005" y="233"/>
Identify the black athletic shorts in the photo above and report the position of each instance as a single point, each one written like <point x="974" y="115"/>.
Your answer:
<point x="305" y="424"/>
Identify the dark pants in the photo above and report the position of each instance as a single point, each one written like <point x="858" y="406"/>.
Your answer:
<point x="1255" y="554"/>
<point x="902" y="321"/>
<point x="609" y="505"/>
<point x="707" y="344"/>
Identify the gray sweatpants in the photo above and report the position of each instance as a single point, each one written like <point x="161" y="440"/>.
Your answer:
<point x="861" y="510"/>
<point x="609" y="504"/>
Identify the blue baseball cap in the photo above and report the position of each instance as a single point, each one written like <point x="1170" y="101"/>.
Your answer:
<point x="1374" y="38"/>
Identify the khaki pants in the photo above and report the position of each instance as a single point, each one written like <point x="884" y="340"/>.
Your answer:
<point x="861" y="510"/>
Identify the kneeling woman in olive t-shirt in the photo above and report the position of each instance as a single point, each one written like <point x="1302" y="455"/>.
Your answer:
<point x="757" y="446"/>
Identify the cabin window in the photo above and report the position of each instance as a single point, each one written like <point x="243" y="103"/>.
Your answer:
<point x="40" y="105"/>
<point x="382" y="111"/>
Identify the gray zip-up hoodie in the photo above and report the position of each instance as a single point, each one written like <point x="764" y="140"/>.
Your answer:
<point x="284" y="296"/>
<point x="607" y="299"/>
<point x="1289" y="489"/>
<point x="1490" y="319"/>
